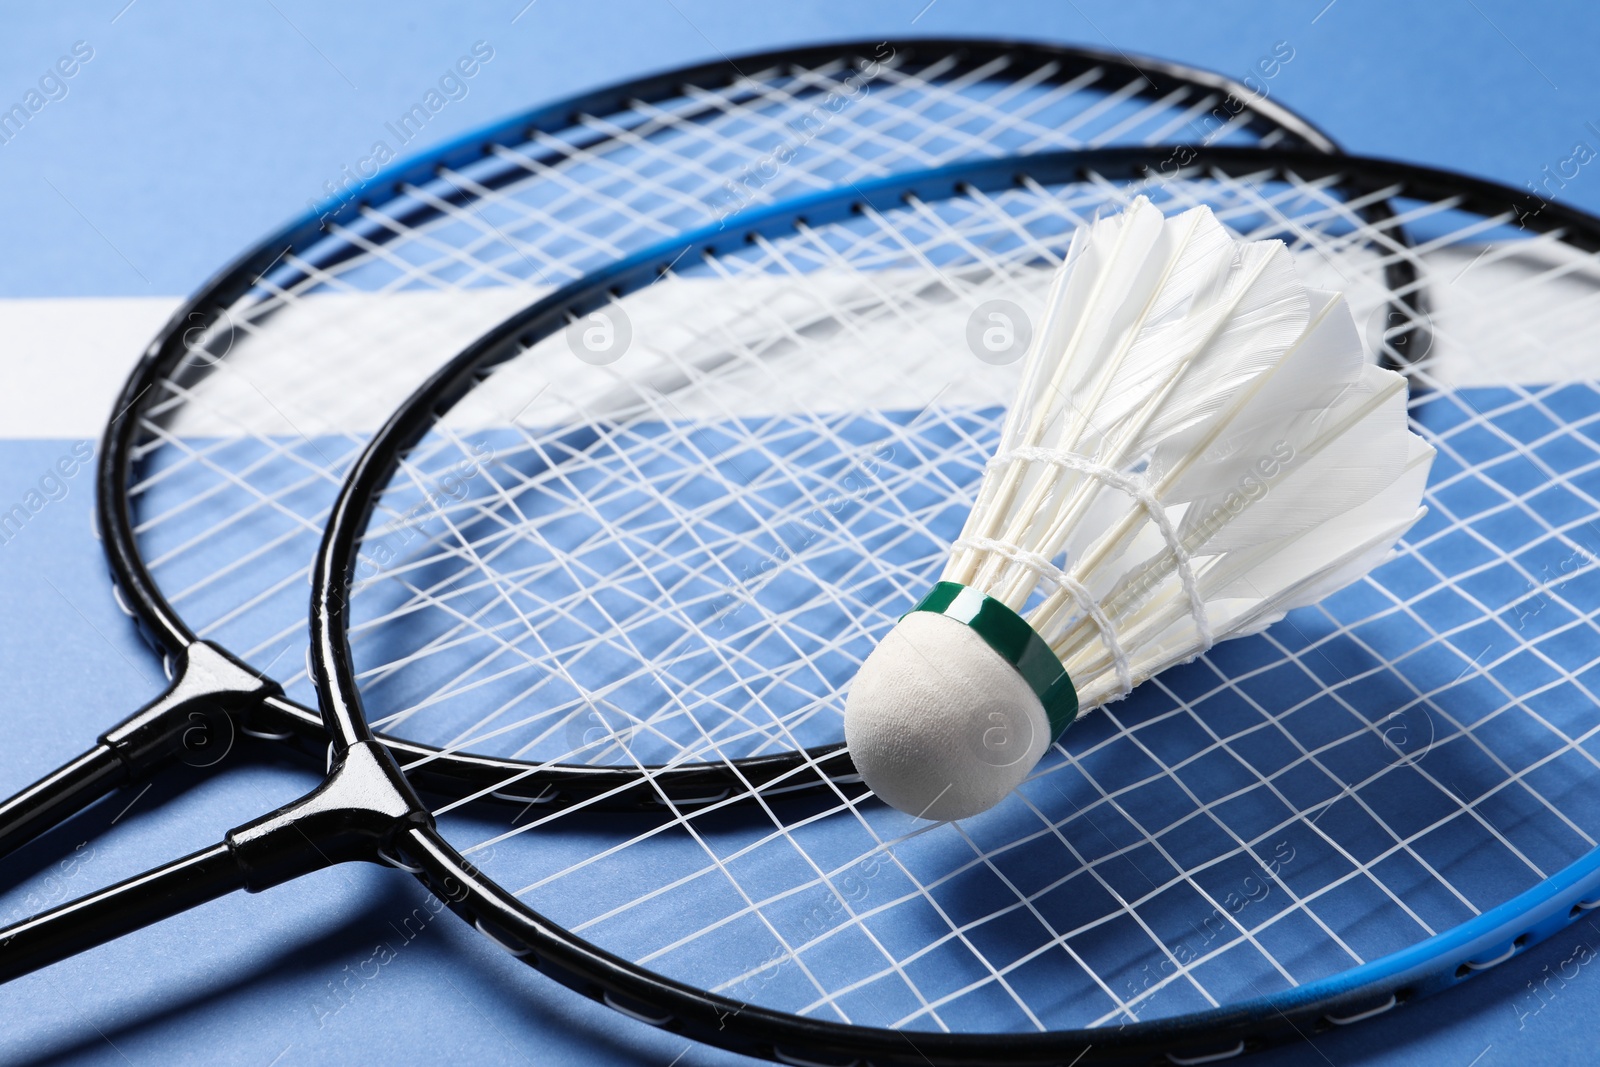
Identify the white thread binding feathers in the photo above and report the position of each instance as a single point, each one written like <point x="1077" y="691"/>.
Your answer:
<point x="1198" y="445"/>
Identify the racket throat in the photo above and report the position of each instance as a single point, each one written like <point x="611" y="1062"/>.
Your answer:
<point x="363" y="804"/>
<point x="359" y="810"/>
<point x="195" y="719"/>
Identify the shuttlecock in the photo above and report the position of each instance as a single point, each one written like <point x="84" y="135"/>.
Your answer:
<point x="1197" y="446"/>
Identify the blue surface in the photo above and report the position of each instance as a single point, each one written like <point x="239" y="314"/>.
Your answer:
<point x="186" y="137"/>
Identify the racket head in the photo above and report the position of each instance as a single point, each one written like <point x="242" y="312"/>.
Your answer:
<point x="230" y="437"/>
<point x="1334" y="817"/>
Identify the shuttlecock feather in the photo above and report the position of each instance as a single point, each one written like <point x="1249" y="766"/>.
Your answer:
<point x="1197" y="446"/>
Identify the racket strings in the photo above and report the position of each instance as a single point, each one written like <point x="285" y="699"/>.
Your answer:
<point x="497" y="585"/>
<point x="1565" y="537"/>
<point x="927" y="90"/>
<point x="593" y="636"/>
<point x="929" y="93"/>
<point x="752" y="129"/>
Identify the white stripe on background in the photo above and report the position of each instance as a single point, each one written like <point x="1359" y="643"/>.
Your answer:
<point x="62" y="360"/>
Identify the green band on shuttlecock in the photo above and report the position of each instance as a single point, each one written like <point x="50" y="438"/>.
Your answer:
<point x="1018" y="644"/>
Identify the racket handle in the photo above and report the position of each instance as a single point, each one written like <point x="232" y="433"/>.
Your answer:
<point x="120" y="909"/>
<point x="178" y="723"/>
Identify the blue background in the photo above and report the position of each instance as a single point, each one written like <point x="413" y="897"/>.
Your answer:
<point x="196" y="128"/>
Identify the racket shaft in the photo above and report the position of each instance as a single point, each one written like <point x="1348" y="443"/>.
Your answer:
<point x="59" y="795"/>
<point x="117" y="910"/>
